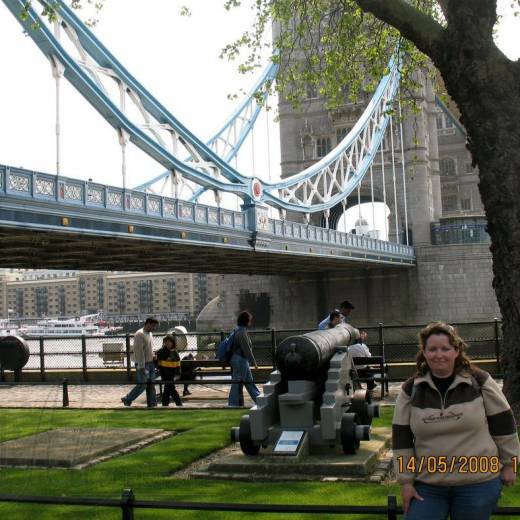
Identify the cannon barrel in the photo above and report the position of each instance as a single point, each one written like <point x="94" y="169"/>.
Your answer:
<point x="14" y="353"/>
<point x="307" y="356"/>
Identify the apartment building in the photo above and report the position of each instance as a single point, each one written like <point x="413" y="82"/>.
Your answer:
<point x="79" y="293"/>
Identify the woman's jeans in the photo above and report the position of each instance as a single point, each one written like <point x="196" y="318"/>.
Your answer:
<point x="466" y="502"/>
<point x="240" y="371"/>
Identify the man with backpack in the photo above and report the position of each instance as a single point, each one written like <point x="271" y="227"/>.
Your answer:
<point x="240" y="354"/>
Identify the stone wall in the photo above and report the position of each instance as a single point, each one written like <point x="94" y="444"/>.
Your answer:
<point x="451" y="282"/>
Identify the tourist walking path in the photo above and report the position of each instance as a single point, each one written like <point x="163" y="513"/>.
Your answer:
<point x="109" y="396"/>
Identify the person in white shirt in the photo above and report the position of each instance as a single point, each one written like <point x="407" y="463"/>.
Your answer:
<point x="360" y="349"/>
<point x="144" y="365"/>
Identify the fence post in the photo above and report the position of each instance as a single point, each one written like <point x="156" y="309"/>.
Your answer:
<point x="273" y="347"/>
<point x="128" y="360"/>
<point x="392" y="507"/>
<point x="497" y="346"/>
<point x="382" y="339"/>
<point x="84" y="357"/>
<point x="127" y="504"/>
<point x="42" y="360"/>
<point x="65" y="393"/>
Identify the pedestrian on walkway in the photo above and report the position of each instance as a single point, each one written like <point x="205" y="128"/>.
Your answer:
<point x="144" y="365"/>
<point x="242" y="355"/>
<point x="187" y="373"/>
<point x="169" y="364"/>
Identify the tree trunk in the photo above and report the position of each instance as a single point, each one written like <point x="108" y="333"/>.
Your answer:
<point x="486" y="87"/>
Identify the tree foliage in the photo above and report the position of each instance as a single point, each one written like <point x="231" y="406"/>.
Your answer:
<point x="341" y="48"/>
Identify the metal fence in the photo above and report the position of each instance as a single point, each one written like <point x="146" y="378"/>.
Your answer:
<point x="396" y="343"/>
<point x="127" y="504"/>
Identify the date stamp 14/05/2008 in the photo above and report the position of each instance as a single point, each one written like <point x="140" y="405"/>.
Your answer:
<point x="459" y="464"/>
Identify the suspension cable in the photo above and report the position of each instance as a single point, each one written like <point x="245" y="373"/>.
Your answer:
<point x="384" y="186"/>
<point x="403" y="169"/>
<point x="393" y="176"/>
<point x="372" y="195"/>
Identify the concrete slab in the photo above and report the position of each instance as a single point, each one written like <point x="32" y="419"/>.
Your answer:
<point x="325" y="466"/>
<point x="76" y="447"/>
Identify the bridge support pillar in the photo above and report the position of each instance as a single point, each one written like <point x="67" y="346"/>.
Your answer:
<point x="423" y="188"/>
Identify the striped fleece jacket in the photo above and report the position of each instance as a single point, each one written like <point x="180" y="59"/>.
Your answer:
<point x="456" y="440"/>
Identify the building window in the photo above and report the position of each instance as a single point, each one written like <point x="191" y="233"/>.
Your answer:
<point x="61" y="301"/>
<point x="341" y="133"/>
<point x="172" y="298"/>
<point x="100" y="293"/>
<point x="469" y="168"/>
<point x="311" y="91"/>
<point x="19" y="303"/>
<point x="82" y="299"/>
<point x="42" y="301"/>
<point x="146" y="296"/>
<point x="449" y="203"/>
<point x="322" y="146"/>
<point x="465" y="204"/>
<point x="121" y="297"/>
<point x="447" y="166"/>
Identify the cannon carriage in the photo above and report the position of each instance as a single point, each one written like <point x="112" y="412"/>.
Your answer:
<point x="305" y="407"/>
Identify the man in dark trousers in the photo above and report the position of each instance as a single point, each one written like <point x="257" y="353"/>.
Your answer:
<point x="169" y="364"/>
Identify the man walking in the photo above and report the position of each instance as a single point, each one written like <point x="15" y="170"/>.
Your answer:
<point x="144" y="365"/>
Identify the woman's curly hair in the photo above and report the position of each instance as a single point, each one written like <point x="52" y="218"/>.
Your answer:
<point x="462" y="361"/>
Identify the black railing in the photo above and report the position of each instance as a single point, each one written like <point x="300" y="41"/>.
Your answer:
<point x="128" y="504"/>
<point x="396" y="343"/>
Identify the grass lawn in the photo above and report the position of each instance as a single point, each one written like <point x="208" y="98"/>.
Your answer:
<point x="147" y="471"/>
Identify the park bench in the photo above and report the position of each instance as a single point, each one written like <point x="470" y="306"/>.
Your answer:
<point x="113" y="354"/>
<point x="376" y="367"/>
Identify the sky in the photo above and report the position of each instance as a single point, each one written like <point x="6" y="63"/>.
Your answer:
<point x="176" y="58"/>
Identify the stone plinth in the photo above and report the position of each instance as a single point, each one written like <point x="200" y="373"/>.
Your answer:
<point x="325" y="466"/>
<point x="75" y="447"/>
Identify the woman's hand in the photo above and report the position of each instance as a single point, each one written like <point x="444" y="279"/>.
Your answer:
<point x="508" y="476"/>
<point x="407" y="493"/>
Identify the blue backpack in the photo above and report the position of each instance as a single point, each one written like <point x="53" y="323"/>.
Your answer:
<point x="225" y="348"/>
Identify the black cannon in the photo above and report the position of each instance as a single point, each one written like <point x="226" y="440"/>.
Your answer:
<point x="14" y="354"/>
<point x="304" y="405"/>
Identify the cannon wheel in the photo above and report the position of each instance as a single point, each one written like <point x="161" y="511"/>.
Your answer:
<point x="348" y="434"/>
<point x="359" y="406"/>
<point x="244" y="437"/>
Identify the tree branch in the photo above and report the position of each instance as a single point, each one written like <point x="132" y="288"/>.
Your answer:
<point x="415" y="26"/>
<point x="444" y="5"/>
<point x="480" y="15"/>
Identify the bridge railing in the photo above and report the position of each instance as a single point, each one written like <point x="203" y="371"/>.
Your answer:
<point x="81" y="354"/>
<point x="19" y="183"/>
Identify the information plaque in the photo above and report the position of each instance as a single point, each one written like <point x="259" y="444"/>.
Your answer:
<point x="289" y="442"/>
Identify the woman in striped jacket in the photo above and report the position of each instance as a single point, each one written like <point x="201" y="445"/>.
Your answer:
<point x="454" y="435"/>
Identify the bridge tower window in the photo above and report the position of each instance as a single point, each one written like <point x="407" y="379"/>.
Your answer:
<point x="323" y="146"/>
<point x="447" y="166"/>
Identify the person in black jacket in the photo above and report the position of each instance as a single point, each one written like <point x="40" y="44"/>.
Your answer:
<point x="169" y="364"/>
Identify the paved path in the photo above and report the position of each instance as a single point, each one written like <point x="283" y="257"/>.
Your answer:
<point x="109" y="396"/>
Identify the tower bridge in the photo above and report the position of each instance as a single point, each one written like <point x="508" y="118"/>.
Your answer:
<point x="287" y="228"/>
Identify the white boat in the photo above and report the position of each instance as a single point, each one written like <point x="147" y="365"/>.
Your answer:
<point x="8" y="329"/>
<point x="60" y="328"/>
